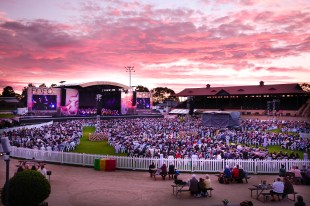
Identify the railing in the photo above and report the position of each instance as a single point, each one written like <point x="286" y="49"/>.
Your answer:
<point x="137" y="163"/>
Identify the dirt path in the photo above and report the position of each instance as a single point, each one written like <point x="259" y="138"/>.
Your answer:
<point x="81" y="186"/>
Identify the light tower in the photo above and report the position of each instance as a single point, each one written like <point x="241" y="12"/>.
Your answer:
<point x="129" y="69"/>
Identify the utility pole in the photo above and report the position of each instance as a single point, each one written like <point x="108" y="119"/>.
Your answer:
<point x="129" y="69"/>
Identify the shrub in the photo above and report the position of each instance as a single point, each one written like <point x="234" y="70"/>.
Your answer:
<point x="27" y="188"/>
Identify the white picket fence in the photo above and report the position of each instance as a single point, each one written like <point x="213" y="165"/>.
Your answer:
<point x="136" y="163"/>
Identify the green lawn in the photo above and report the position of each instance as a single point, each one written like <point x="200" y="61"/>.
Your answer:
<point x="98" y="147"/>
<point x="7" y="116"/>
<point x="102" y="147"/>
<point x="276" y="149"/>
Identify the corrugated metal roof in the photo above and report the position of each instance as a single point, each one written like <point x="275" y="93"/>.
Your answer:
<point x="243" y="90"/>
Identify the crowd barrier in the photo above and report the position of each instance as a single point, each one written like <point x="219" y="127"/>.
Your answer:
<point x="141" y="163"/>
<point x="26" y="127"/>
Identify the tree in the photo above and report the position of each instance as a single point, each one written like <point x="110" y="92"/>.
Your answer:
<point x="23" y="97"/>
<point x="305" y="87"/>
<point x="27" y="188"/>
<point x="141" y="88"/>
<point x="162" y="94"/>
<point x="42" y="85"/>
<point x="53" y="85"/>
<point x="8" y="91"/>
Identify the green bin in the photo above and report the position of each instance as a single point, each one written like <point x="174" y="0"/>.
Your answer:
<point x="97" y="164"/>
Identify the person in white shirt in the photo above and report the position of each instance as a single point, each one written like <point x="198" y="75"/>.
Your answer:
<point x="277" y="188"/>
<point x="43" y="170"/>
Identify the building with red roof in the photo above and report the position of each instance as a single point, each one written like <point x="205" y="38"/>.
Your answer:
<point x="260" y="98"/>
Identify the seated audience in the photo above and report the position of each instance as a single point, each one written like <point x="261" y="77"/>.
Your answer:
<point x="277" y="189"/>
<point x="193" y="186"/>
<point x="43" y="170"/>
<point x="288" y="187"/>
<point x="163" y="171"/>
<point x="202" y="191"/>
<point x="151" y="167"/>
<point x="177" y="180"/>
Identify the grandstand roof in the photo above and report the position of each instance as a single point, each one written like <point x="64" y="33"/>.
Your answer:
<point x="95" y="83"/>
<point x="243" y="90"/>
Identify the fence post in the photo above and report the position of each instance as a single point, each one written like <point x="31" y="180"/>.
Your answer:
<point x="192" y="164"/>
<point x="133" y="163"/>
<point x="62" y="157"/>
<point x="83" y="159"/>
<point x="255" y="167"/>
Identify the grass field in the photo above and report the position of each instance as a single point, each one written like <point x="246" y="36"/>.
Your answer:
<point x="278" y="148"/>
<point x="102" y="147"/>
<point x="7" y="116"/>
<point x="99" y="147"/>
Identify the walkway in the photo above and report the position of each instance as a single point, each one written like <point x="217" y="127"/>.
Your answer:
<point x="80" y="186"/>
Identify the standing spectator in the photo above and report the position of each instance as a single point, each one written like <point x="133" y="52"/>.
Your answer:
<point x="171" y="171"/>
<point x="282" y="171"/>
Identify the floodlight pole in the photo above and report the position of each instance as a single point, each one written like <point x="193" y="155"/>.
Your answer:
<point x="129" y="69"/>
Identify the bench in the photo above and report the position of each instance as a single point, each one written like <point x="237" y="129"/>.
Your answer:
<point x="236" y="179"/>
<point x="294" y="196"/>
<point x="267" y="195"/>
<point x="163" y="176"/>
<point x="180" y="188"/>
<point x="252" y="189"/>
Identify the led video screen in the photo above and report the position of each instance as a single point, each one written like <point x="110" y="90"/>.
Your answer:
<point x="44" y="102"/>
<point x="143" y="103"/>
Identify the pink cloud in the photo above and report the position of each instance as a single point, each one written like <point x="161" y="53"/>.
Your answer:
<point x="108" y="36"/>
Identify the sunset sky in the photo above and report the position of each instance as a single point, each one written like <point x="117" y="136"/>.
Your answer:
<point x="173" y="43"/>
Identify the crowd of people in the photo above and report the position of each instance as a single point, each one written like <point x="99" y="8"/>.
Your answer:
<point x="174" y="137"/>
<point x="59" y="136"/>
<point x="184" y="138"/>
<point x="40" y="167"/>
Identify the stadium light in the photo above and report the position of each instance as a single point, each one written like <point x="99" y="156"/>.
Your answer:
<point x="129" y="69"/>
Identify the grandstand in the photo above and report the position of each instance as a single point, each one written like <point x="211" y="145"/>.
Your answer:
<point x="284" y="99"/>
